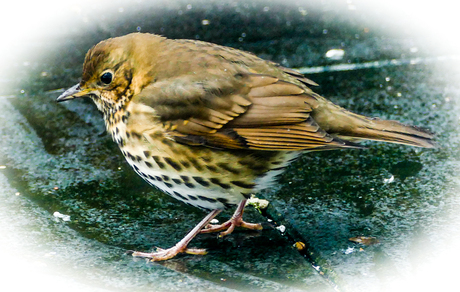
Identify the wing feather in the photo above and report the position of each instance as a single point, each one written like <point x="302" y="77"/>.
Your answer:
<point x="246" y="111"/>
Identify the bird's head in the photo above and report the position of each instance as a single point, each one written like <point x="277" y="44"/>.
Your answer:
<point x="114" y="70"/>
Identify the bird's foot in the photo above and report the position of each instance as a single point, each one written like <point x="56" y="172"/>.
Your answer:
<point x="181" y="247"/>
<point x="166" y="254"/>
<point x="230" y="225"/>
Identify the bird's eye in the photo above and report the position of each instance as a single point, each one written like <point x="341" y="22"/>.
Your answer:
<point x="106" y="77"/>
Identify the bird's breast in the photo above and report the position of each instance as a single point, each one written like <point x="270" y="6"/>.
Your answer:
<point x="200" y="176"/>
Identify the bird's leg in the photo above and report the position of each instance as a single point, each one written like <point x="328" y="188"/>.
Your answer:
<point x="235" y="221"/>
<point x="181" y="246"/>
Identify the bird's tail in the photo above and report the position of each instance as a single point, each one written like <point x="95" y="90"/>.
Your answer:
<point x="391" y="131"/>
<point x="352" y="127"/>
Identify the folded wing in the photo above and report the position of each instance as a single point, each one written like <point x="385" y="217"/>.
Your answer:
<point x="249" y="111"/>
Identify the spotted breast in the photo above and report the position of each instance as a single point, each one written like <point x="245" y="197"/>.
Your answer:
<point x="198" y="176"/>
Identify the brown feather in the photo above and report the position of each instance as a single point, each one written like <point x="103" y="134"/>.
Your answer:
<point x="258" y="80"/>
<point x="225" y="104"/>
<point x="296" y="101"/>
<point x="280" y="88"/>
<point x="299" y="76"/>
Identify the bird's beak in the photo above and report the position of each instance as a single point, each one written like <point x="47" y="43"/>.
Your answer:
<point x="73" y="92"/>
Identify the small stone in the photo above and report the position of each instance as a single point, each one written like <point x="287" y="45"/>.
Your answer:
<point x="258" y="203"/>
<point x="389" y="180"/>
<point x="300" y="245"/>
<point x="365" y="240"/>
<point x="63" y="217"/>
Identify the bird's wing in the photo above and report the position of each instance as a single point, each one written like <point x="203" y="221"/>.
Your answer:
<point x="247" y="111"/>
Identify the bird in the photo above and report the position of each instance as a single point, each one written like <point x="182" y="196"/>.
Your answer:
<point x="211" y="125"/>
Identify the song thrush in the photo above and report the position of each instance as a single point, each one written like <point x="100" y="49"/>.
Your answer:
<point x="210" y="125"/>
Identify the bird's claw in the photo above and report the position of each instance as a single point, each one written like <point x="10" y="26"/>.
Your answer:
<point x="161" y="254"/>
<point x="230" y="225"/>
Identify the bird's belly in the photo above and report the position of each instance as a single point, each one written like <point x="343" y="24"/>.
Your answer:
<point x="187" y="177"/>
<point x="200" y="176"/>
<point x="189" y="187"/>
